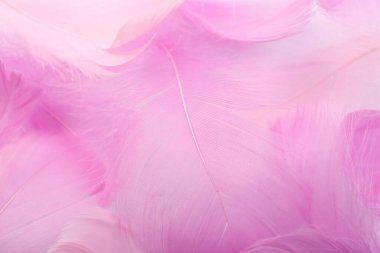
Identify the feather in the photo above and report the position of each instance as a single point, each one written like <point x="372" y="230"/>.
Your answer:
<point x="334" y="69"/>
<point x="198" y="170"/>
<point x="315" y="146"/>
<point x="200" y="180"/>
<point x="250" y="20"/>
<point x="362" y="131"/>
<point x="63" y="33"/>
<point x="305" y="241"/>
<point x="184" y="176"/>
<point x="204" y="180"/>
<point x="198" y="143"/>
<point x="44" y="181"/>
<point x="359" y="15"/>
<point x="17" y="104"/>
<point x="194" y="181"/>
<point x="96" y="114"/>
<point x="97" y="231"/>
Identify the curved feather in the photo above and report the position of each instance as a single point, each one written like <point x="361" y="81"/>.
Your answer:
<point x="199" y="174"/>
<point x="97" y="231"/>
<point x="17" y="104"/>
<point x="341" y="70"/>
<point x="362" y="131"/>
<point x="359" y="15"/>
<point x="305" y="241"/>
<point x="63" y="32"/>
<point x="205" y="180"/>
<point x="197" y="170"/>
<point x="44" y="180"/>
<point x="251" y="20"/>
<point x="315" y="145"/>
<point x="184" y="129"/>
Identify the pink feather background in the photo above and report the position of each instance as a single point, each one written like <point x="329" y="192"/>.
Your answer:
<point x="189" y="126"/>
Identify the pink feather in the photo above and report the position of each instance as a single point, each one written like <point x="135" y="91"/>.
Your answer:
<point x="226" y="126"/>
<point x="96" y="231"/>
<point x="252" y="20"/>
<point x="81" y="34"/>
<point x="44" y="182"/>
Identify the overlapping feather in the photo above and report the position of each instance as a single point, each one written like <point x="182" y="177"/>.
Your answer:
<point x="197" y="143"/>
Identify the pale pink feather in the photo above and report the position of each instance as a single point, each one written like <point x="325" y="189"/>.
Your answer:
<point x="198" y="143"/>
<point x="45" y="181"/>
<point x="252" y="20"/>
<point x="81" y="34"/>
<point x="96" y="231"/>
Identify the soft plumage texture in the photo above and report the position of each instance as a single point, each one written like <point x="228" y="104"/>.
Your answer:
<point x="252" y="20"/>
<point x="16" y="105"/>
<point x="45" y="175"/>
<point x="360" y="15"/>
<point x="97" y="230"/>
<point x="226" y="126"/>
<point x="305" y="241"/>
<point x="41" y="190"/>
<point x="81" y="34"/>
<point x="362" y="130"/>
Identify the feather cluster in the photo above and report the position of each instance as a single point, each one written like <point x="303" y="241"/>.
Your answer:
<point x="189" y="126"/>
